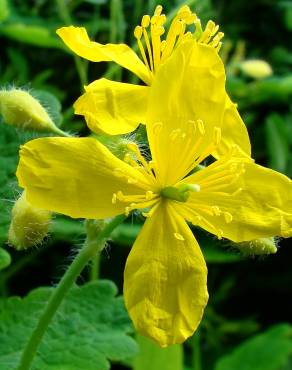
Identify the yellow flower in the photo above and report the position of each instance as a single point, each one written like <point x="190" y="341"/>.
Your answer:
<point x="118" y="108"/>
<point x="165" y="284"/>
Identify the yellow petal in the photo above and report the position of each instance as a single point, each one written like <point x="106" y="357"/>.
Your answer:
<point x="165" y="279"/>
<point x="76" y="177"/>
<point x="240" y="200"/>
<point x="112" y="107"/>
<point x="76" y="38"/>
<point x="186" y="103"/>
<point x="233" y="131"/>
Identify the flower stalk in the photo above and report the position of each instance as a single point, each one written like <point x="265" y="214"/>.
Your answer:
<point x="86" y="253"/>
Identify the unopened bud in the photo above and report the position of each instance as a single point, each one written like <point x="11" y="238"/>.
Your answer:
<point x="29" y="225"/>
<point x="22" y="110"/>
<point x="258" y="247"/>
<point x="256" y="68"/>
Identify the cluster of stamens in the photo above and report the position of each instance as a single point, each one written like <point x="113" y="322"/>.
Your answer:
<point x="142" y="201"/>
<point x="157" y="50"/>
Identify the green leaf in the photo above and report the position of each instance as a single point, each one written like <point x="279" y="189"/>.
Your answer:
<point x="89" y="329"/>
<point x="95" y="2"/>
<point x="151" y="356"/>
<point x="30" y="34"/>
<point x="5" y="259"/>
<point x="277" y="142"/>
<point x="268" y="351"/>
<point x="4" y="10"/>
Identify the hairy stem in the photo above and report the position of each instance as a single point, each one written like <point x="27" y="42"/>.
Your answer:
<point x="86" y="253"/>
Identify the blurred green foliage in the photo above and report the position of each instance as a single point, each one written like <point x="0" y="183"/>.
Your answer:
<point x="247" y="296"/>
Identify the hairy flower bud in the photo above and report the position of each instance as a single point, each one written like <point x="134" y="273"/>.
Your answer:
<point x="29" y="225"/>
<point x="22" y="110"/>
<point x="258" y="247"/>
<point x="256" y="68"/>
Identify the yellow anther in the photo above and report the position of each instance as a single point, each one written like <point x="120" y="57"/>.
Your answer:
<point x="191" y="18"/>
<point x="179" y="236"/>
<point x="158" y="31"/>
<point x="184" y="11"/>
<point x="149" y="195"/>
<point x="133" y="147"/>
<point x="118" y="172"/>
<point x="216" y="210"/>
<point x="201" y="126"/>
<point x="127" y="211"/>
<point x="217" y="135"/>
<point x="138" y="32"/>
<point x="161" y="20"/>
<point x="145" y="21"/>
<point x="120" y="196"/>
<point x="163" y="45"/>
<point x="132" y="181"/>
<point x="228" y="217"/>
<point x="157" y="126"/>
<point x="220" y="234"/>
<point x="174" y="134"/>
<point x="158" y="10"/>
<point x="114" y="198"/>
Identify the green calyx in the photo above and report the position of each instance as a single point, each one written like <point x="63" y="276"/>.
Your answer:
<point x="180" y="193"/>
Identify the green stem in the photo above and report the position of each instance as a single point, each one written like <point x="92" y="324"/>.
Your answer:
<point x="80" y="64"/>
<point x="196" y="358"/>
<point x="88" y="251"/>
<point x="95" y="267"/>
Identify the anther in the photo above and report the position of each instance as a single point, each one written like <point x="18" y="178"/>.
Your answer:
<point x="158" y="10"/>
<point x="217" y="135"/>
<point x="149" y="195"/>
<point x="178" y="236"/>
<point x="228" y="217"/>
<point x="114" y="198"/>
<point x="145" y="21"/>
<point x="201" y="126"/>
<point x="138" y="32"/>
<point x="157" y="126"/>
<point x="132" y="180"/>
<point x="216" y="210"/>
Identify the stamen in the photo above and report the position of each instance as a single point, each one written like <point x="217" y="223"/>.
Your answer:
<point x="156" y="128"/>
<point x="228" y="217"/>
<point x="179" y="236"/>
<point x="201" y="126"/>
<point x="138" y="34"/>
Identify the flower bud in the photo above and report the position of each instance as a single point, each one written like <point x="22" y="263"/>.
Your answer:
<point x="29" y="225"/>
<point x="256" y="68"/>
<point x="22" y="110"/>
<point x="258" y="247"/>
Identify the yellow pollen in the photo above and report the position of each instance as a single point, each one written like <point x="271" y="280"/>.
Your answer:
<point x="179" y="236"/>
